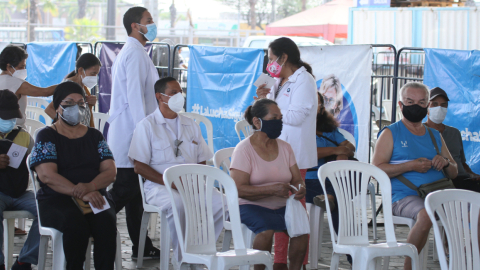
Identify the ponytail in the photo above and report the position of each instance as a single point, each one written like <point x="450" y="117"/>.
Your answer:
<point x="71" y="74"/>
<point x="259" y="109"/>
<point x="307" y="67"/>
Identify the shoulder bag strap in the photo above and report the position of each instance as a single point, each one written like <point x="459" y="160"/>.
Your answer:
<point x="407" y="182"/>
<point x="13" y="134"/>
<point x="436" y="146"/>
<point x="332" y="141"/>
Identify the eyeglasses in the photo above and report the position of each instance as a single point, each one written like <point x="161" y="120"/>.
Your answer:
<point x="80" y="103"/>
<point x="178" y="152"/>
<point x="328" y="102"/>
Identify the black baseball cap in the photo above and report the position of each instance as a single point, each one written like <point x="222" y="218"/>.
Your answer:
<point x="9" y="107"/>
<point x="437" y="91"/>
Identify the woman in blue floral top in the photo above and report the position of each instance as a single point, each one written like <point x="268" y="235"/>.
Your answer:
<point x="73" y="161"/>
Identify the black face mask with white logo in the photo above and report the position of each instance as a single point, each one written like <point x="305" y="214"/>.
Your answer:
<point x="414" y="113"/>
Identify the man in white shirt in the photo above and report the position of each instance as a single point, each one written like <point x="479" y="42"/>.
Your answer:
<point x="133" y="98"/>
<point x="165" y="139"/>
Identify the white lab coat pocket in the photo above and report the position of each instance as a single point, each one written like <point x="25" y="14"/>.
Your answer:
<point x="161" y="154"/>
<point x="191" y="152"/>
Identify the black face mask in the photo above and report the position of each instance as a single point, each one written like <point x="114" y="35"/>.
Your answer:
<point x="273" y="128"/>
<point x="414" y="113"/>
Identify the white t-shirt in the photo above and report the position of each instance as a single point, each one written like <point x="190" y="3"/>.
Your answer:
<point x="13" y="84"/>
<point x="172" y="123"/>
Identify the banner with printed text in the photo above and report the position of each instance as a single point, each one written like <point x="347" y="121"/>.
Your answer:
<point x="220" y="87"/>
<point x="343" y="75"/>
<point x="458" y="73"/>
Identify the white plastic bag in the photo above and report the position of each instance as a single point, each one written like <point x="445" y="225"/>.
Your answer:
<point x="296" y="217"/>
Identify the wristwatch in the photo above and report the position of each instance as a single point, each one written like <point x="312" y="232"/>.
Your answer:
<point x="448" y="162"/>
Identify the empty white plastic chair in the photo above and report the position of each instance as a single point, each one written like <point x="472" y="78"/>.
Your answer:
<point x="33" y="126"/>
<point x="350" y="180"/>
<point x="458" y="211"/>
<point x="148" y="209"/>
<point x="208" y="125"/>
<point x="37" y="102"/>
<point x="35" y="113"/>
<point x="195" y="184"/>
<point x="99" y="120"/>
<point x="58" y="260"/>
<point x="244" y="127"/>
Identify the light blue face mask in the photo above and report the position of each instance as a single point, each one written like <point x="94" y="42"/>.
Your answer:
<point x="7" y="125"/>
<point x="151" y="31"/>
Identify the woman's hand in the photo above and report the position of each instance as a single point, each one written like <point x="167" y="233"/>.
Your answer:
<point x="343" y="150"/>
<point x="300" y="193"/>
<point x="281" y="190"/>
<point x="95" y="198"/>
<point x="342" y="157"/>
<point x="91" y="100"/>
<point x="82" y="189"/>
<point x="262" y="92"/>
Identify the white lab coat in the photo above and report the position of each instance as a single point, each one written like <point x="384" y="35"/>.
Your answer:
<point x="153" y="144"/>
<point x="133" y="97"/>
<point x="298" y="103"/>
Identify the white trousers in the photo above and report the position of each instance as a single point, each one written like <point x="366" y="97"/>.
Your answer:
<point x="157" y="195"/>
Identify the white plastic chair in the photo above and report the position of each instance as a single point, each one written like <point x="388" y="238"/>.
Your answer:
<point x="350" y="180"/>
<point x="58" y="258"/>
<point x="33" y="126"/>
<point x="244" y="127"/>
<point x="195" y="184"/>
<point x="208" y="125"/>
<point x="35" y="113"/>
<point x="458" y="211"/>
<point x="99" y="120"/>
<point x="423" y="256"/>
<point x="9" y="232"/>
<point x="148" y="209"/>
<point x="222" y="159"/>
<point x="37" y="102"/>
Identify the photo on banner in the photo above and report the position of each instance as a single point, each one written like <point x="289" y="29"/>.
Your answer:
<point x="220" y="87"/>
<point x="343" y="75"/>
<point x="458" y="73"/>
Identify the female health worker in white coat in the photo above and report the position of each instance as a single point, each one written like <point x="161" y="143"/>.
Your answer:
<point x="295" y="92"/>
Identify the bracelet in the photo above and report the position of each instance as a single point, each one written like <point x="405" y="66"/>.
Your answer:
<point x="448" y="162"/>
<point x="94" y="185"/>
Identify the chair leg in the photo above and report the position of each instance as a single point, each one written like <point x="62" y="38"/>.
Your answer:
<point x="371" y="189"/>
<point x="143" y="236"/>
<point x="227" y="239"/>
<point x="118" y="255"/>
<point x="335" y="261"/>
<point x="88" y="255"/>
<point x="164" y="242"/>
<point x="21" y="223"/>
<point x="42" y="252"/>
<point x="8" y="234"/>
<point x="320" y="232"/>
<point x="314" y="235"/>
<point x="152" y="225"/>
<point x="59" y="262"/>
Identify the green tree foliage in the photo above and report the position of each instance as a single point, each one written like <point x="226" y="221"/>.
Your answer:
<point x="85" y="30"/>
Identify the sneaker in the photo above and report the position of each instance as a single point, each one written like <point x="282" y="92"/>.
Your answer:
<point x="320" y="202"/>
<point x="151" y="254"/>
<point x="21" y="266"/>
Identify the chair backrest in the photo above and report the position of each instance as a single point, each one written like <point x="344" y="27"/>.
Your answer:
<point x="33" y="126"/>
<point x="387" y="108"/>
<point x="99" y="120"/>
<point x="35" y="113"/>
<point x="35" y="189"/>
<point x="37" y="102"/>
<point x="245" y="128"/>
<point x="146" y="207"/>
<point x="208" y="125"/>
<point x="195" y="184"/>
<point x="222" y="159"/>
<point x="350" y="181"/>
<point x="349" y="138"/>
<point x="458" y="211"/>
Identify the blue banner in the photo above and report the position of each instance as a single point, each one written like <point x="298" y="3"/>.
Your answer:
<point x="220" y="87"/>
<point x="458" y="73"/>
<point x="49" y="62"/>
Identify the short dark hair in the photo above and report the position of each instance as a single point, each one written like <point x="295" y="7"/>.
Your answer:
<point x="161" y="85"/>
<point x="12" y="55"/>
<point x="259" y="109"/>
<point x="133" y="15"/>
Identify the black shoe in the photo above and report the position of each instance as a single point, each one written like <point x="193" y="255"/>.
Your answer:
<point x="152" y="253"/>
<point x="23" y="266"/>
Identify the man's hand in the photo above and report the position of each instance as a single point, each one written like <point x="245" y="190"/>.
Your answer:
<point x="282" y="190"/>
<point x="300" y="193"/>
<point x="4" y="161"/>
<point x="262" y="92"/>
<point x="91" y="100"/>
<point x="474" y="176"/>
<point x="95" y="198"/>
<point x="342" y="157"/>
<point x="439" y="162"/>
<point x="421" y="165"/>
<point x="82" y="189"/>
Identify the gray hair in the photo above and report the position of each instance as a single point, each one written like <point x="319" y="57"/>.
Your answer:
<point x="417" y="85"/>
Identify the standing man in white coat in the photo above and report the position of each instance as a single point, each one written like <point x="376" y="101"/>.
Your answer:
<point x="133" y="98"/>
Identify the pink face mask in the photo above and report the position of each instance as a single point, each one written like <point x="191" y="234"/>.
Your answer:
<point x="274" y="69"/>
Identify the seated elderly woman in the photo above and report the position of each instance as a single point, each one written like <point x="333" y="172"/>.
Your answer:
<point x="74" y="166"/>
<point x="263" y="168"/>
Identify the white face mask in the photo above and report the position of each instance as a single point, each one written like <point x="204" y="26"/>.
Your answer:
<point x="437" y="114"/>
<point x="176" y="102"/>
<point x="89" y="81"/>
<point x="21" y="73"/>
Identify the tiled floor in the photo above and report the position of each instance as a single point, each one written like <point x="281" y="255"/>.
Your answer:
<point x="324" y="263"/>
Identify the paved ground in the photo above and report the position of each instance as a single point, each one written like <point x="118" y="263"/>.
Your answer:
<point x="324" y="263"/>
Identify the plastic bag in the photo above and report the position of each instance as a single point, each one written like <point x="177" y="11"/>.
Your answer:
<point x="296" y="217"/>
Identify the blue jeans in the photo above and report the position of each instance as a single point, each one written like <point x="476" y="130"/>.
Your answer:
<point x="29" y="252"/>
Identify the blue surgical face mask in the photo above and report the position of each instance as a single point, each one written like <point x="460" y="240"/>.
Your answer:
<point x="151" y="31"/>
<point x="7" y="125"/>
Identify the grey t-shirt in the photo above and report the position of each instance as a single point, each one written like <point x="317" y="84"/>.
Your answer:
<point x="453" y="140"/>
